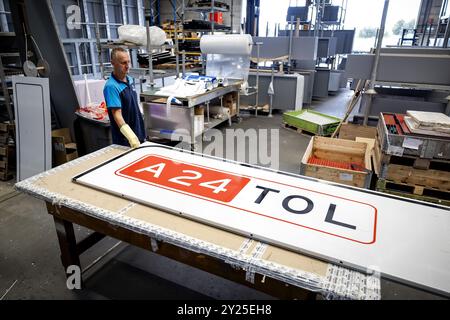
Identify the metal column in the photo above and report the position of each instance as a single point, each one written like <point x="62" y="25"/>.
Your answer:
<point x="89" y="36"/>
<point x="108" y="29"/>
<point x="150" y="58"/>
<point x="371" y="92"/>
<point x="252" y="15"/>
<point x="447" y="34"/>
<point x="140" y="11"/>
<point x="124" y="12"/>
<point x="3" y="20"/>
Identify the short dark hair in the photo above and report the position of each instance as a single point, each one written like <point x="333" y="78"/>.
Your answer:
<point x="115" y="50"/>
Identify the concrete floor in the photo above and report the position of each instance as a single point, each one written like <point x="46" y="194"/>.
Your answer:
<point x="30" y="266"/>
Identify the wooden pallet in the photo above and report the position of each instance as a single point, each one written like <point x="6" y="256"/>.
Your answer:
<point x="5" y="150"/>
<point x="6" y="175"/>
<point x="410" y="161"/>
<point x="6" y="132"/>
<point x="261" y="109"/>
<point x="411" y="170"/>
<point x="414" y="191"/>
<point x="6" y="127"/>
<point x="4" y="138"/>
<point x="298" y="130"/>
<point x="7" y="162"/>
<point x="436" y="179"/>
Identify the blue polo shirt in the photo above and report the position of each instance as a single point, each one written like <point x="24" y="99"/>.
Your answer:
<point x="119" y="94"/>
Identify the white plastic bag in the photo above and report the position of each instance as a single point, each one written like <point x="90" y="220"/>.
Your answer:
<point x="138" y="35"/>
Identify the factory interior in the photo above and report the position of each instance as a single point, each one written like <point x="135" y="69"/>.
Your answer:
<point x="245" y="150"/>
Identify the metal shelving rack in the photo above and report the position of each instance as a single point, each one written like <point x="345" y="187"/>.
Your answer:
<point x="179" y="27"/>
<point x="4" y="78"/>
<point x="140" y="73"/>
<point x="10" y="63"/>
<point x="204" y="11"/>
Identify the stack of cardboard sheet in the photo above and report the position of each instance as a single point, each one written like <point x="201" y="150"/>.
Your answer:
<point x="431" y="123"/>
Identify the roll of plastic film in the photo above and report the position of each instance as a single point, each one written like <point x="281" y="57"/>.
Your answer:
<point x="236" y="44"/>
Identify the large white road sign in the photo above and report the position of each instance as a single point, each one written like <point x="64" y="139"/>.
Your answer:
<point x="405" y="240"/>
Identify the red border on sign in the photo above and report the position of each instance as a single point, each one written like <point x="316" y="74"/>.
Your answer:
<point x="253" y="212"/>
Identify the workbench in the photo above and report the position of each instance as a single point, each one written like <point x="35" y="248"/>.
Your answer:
<point x="163" y="123"/>
<point x="279" y="272"/>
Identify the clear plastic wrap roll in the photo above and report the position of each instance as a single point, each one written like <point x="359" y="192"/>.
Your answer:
<point x="227" y="44"/>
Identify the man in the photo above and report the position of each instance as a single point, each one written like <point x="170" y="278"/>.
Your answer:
<point x="127" y="124"/>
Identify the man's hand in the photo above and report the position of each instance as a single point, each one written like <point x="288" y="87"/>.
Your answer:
<point x="130" y="135"/>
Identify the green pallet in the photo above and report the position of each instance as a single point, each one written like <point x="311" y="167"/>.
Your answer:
<point x="325" y="127"/>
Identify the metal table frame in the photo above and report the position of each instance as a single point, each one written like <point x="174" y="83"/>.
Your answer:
<point x="71" y="250"/>
<point x="150" y="96"/>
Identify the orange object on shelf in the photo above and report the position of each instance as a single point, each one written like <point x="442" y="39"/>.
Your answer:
<point x="391" y="124"/>
<point x="337" y="164"/>
<point x="217" y="17"/>
<point x="401" y="119"/>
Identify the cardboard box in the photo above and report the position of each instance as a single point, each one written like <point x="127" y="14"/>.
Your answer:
<point x="230" y="102"/>
<point x="199" y="110"/>
<point x="199" y="124"/>
<point x="350" y="131"/>
<point x="63" y="148"/>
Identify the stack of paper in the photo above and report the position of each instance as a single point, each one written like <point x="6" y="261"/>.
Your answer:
<point x="430" y="121"/>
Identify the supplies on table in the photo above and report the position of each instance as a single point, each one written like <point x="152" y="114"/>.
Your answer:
<point x="190" y="85"/>
<point x="227" y="56"/>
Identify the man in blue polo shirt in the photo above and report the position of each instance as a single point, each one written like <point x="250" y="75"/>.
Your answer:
<point x="127" y="129"/>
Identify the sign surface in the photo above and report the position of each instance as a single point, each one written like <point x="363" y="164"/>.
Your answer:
<point x="404" y="240"/>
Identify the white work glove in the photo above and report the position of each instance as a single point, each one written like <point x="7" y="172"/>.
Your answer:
<point x="130" y="135"/>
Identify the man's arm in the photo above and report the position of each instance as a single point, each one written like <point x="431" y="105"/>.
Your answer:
<point x="125" y="128"/>
<point x="117" y="115"/>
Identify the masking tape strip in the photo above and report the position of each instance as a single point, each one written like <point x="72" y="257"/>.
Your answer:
<point x="127" y="208"/>
<point x="245" y="245"/>
<point x="154" y="244"/>
<point x="344" y="284"/>
<point x="257" y="253"/>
